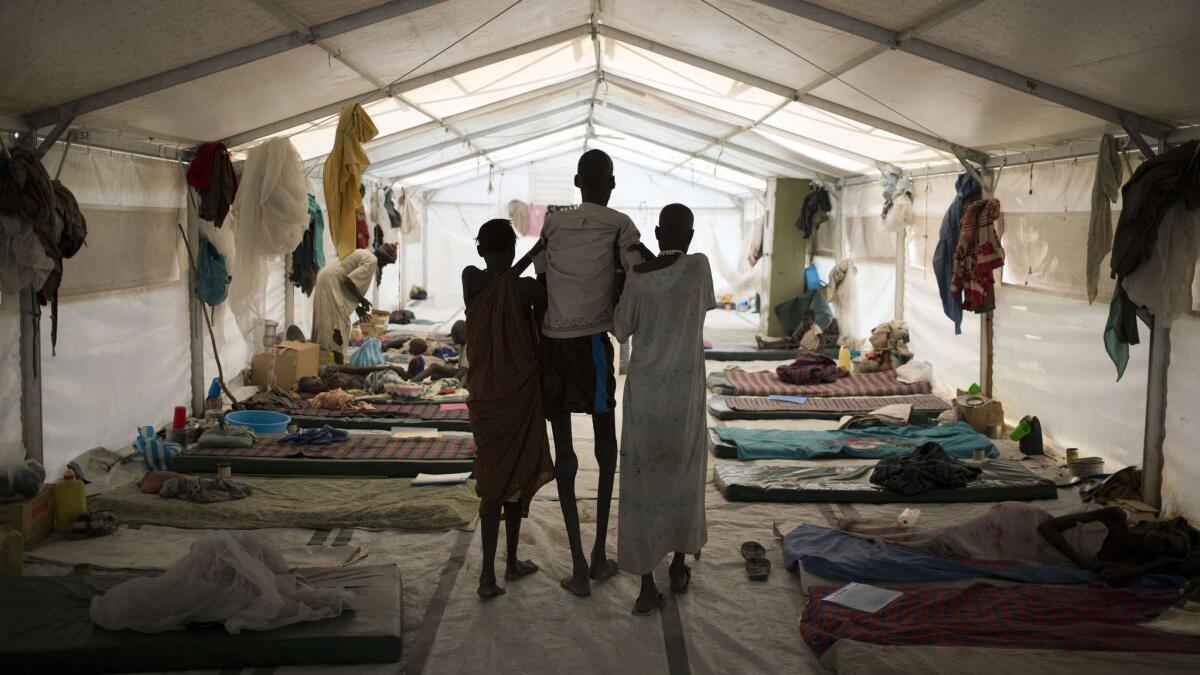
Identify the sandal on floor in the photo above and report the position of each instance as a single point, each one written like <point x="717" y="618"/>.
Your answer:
<point x="92" y="524"/>
<point x="687" y="579"/>
<point x="662" y="602"/>
<point x="753" y="549"/>
<point x="758" y="568"/>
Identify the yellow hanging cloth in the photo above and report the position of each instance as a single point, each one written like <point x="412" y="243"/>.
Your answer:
<point x="343" y="173"/>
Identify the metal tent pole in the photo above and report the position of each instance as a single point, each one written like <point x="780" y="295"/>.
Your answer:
<point x="1155" y="429"/>
<point x="31" y="358"/>
<point x="901" y="271"/>
<point x="195" y="307"/>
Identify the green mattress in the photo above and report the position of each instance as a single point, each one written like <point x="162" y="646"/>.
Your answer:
<point x="45" y="628"/>
<point x="1001" y="480"/>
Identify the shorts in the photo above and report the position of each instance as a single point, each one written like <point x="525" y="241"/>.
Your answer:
<point x="578" y="375"/>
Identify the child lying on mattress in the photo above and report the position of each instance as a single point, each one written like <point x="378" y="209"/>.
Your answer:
<point x="806" y="337"/>
<point x="1101" y="540"/>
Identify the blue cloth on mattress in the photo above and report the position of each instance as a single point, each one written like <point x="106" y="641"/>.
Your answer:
<point x="957" y="439"/>
<point x="835" y="555"/>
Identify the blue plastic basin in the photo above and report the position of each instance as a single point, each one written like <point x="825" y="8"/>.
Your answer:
<point x="261" y="421"/>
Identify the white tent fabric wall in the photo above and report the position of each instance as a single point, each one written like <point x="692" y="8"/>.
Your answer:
<point x="10" y="385"/>
<point x="1182" y="473"/>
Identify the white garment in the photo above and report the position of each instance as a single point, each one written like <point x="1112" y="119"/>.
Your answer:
<point x="580" y="269"/>
<point x="900" y="215"/>
<point x="239" y="580"/>
<point x="664" y="447"/>
<point x="915" y="371"/>
<point x="1163" y="284"/>
<point x="333" y="304"/>
<point x="375" y="212"/>
<point x="23" y="260"/>
<point x="268" y="217"/>
<point x="410" y="216"/>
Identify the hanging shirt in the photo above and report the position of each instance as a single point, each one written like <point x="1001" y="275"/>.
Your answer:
<point x="580" y="267"/>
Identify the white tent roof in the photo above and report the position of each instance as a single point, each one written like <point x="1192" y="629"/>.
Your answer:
<point x="738" y="89"/>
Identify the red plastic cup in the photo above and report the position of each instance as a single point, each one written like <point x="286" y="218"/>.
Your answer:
<point x="180" y="421"/>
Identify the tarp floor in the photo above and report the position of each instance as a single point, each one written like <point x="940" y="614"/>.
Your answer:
<point x="724" y="624"/>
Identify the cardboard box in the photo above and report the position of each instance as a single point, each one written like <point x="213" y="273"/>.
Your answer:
<point x="293" y="360"/>
<point x="983" y="416"/>
<point x="33" y="518"/>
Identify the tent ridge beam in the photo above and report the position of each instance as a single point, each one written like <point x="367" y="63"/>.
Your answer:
<point x="221" y="62"/>
<point x="407" y="85"/>
<point x="789" y="93"/>
<point x="479" y="154"/>
<point x="970" y="65"/>
<point x="711" y="140"/>
<point x="400" y="159"/>
<point x="481" y="111"/>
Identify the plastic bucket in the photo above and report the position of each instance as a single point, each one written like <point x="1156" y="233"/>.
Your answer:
<point x="1085" y="467"/>
<point x="260" y="421"/>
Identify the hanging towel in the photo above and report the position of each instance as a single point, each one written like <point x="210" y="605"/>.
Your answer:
<point x="71" y="227"/>
<point x="343" y="173"/>
<point x="977" y="254"/>
<point x="211" y="173"/>
<point x="395" y="220"/>
<point x="518" y="214"/>
<point x="966" y="191"/>
<point x="1105" y="191"/>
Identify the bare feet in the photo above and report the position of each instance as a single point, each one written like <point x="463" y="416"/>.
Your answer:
<point x="603" y="568"/>
<point x="647" y="604"/>
<point x="521" y="569"/>
<point x="759" y="341"/>
<point x="681" y="576"/>
<point x="578" y="584"/>
<point x="488" y="587"/>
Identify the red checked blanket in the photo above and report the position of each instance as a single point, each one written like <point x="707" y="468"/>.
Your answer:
<point x="921" y="402"/>
<point x="366" y="446"/>
<point x="420" y="411"/>
<point x="1077" y="618"/>
<point x="766" y="383"/>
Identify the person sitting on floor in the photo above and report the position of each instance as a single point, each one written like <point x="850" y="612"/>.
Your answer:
<point x="512" y="450"/>
<point x="664" y="452"/>
<point x="416" y="363"/>
<point x="806" y="337"/>
<point x="1101" y="540"/>
<point x="437" y="371"/>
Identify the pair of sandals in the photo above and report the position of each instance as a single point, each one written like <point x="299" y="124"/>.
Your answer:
<point x="676" y="589"/>
<point x="758" y="568"/>
<point x="91" y="524"/>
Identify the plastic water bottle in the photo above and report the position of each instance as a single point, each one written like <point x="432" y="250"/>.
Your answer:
<point x="844" y="358"/>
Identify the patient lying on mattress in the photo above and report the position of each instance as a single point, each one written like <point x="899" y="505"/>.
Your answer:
<point x="1101" y="540"/>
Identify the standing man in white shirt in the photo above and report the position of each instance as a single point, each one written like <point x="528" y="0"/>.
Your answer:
<point x="587" y="251"/>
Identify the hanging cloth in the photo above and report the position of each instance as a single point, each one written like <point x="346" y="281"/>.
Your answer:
<point x="71" y="229"/>
<point x="814" y="211"/>
<point x="518" y="214"/>
<point x="377" y="243"/>
<point x="1157" y="185"/>
<point x="410" y="215"/>
<point x="966" y="191"/>
<point x="211" y="173"/>
<point x="394" y="218"/>
<point x="1105" y="191"/>
<point x="213" y="273"/>
<point x="977" y="255"/>
<point x="309" y="258"/>
<point x="269" y="219"/>
<point x="343" y="174"/>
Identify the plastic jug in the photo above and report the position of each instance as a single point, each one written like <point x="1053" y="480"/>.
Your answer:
<point x="69" y="500"/>
<point x="844" y="358"/>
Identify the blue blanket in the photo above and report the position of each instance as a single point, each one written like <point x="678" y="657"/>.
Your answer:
<point x="957" y="439"/>
<point x="835" y="555"/>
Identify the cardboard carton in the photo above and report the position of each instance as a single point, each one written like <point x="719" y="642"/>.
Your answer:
<point x="991" y="413"/>
<point x="293" y="360"/>
<point x="33" y="518"/>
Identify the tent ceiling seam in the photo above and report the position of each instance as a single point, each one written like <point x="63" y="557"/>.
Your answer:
<point x="970" y="65"/>
<point x="788" y="92"/>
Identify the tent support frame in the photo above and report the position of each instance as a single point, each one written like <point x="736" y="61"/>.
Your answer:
<point x="225" y="61"/>
<point x="31" y="356"/>
<point x="1155" y="427"/>
<point x="969" y="65"/>
<point x="196" y="324"/>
